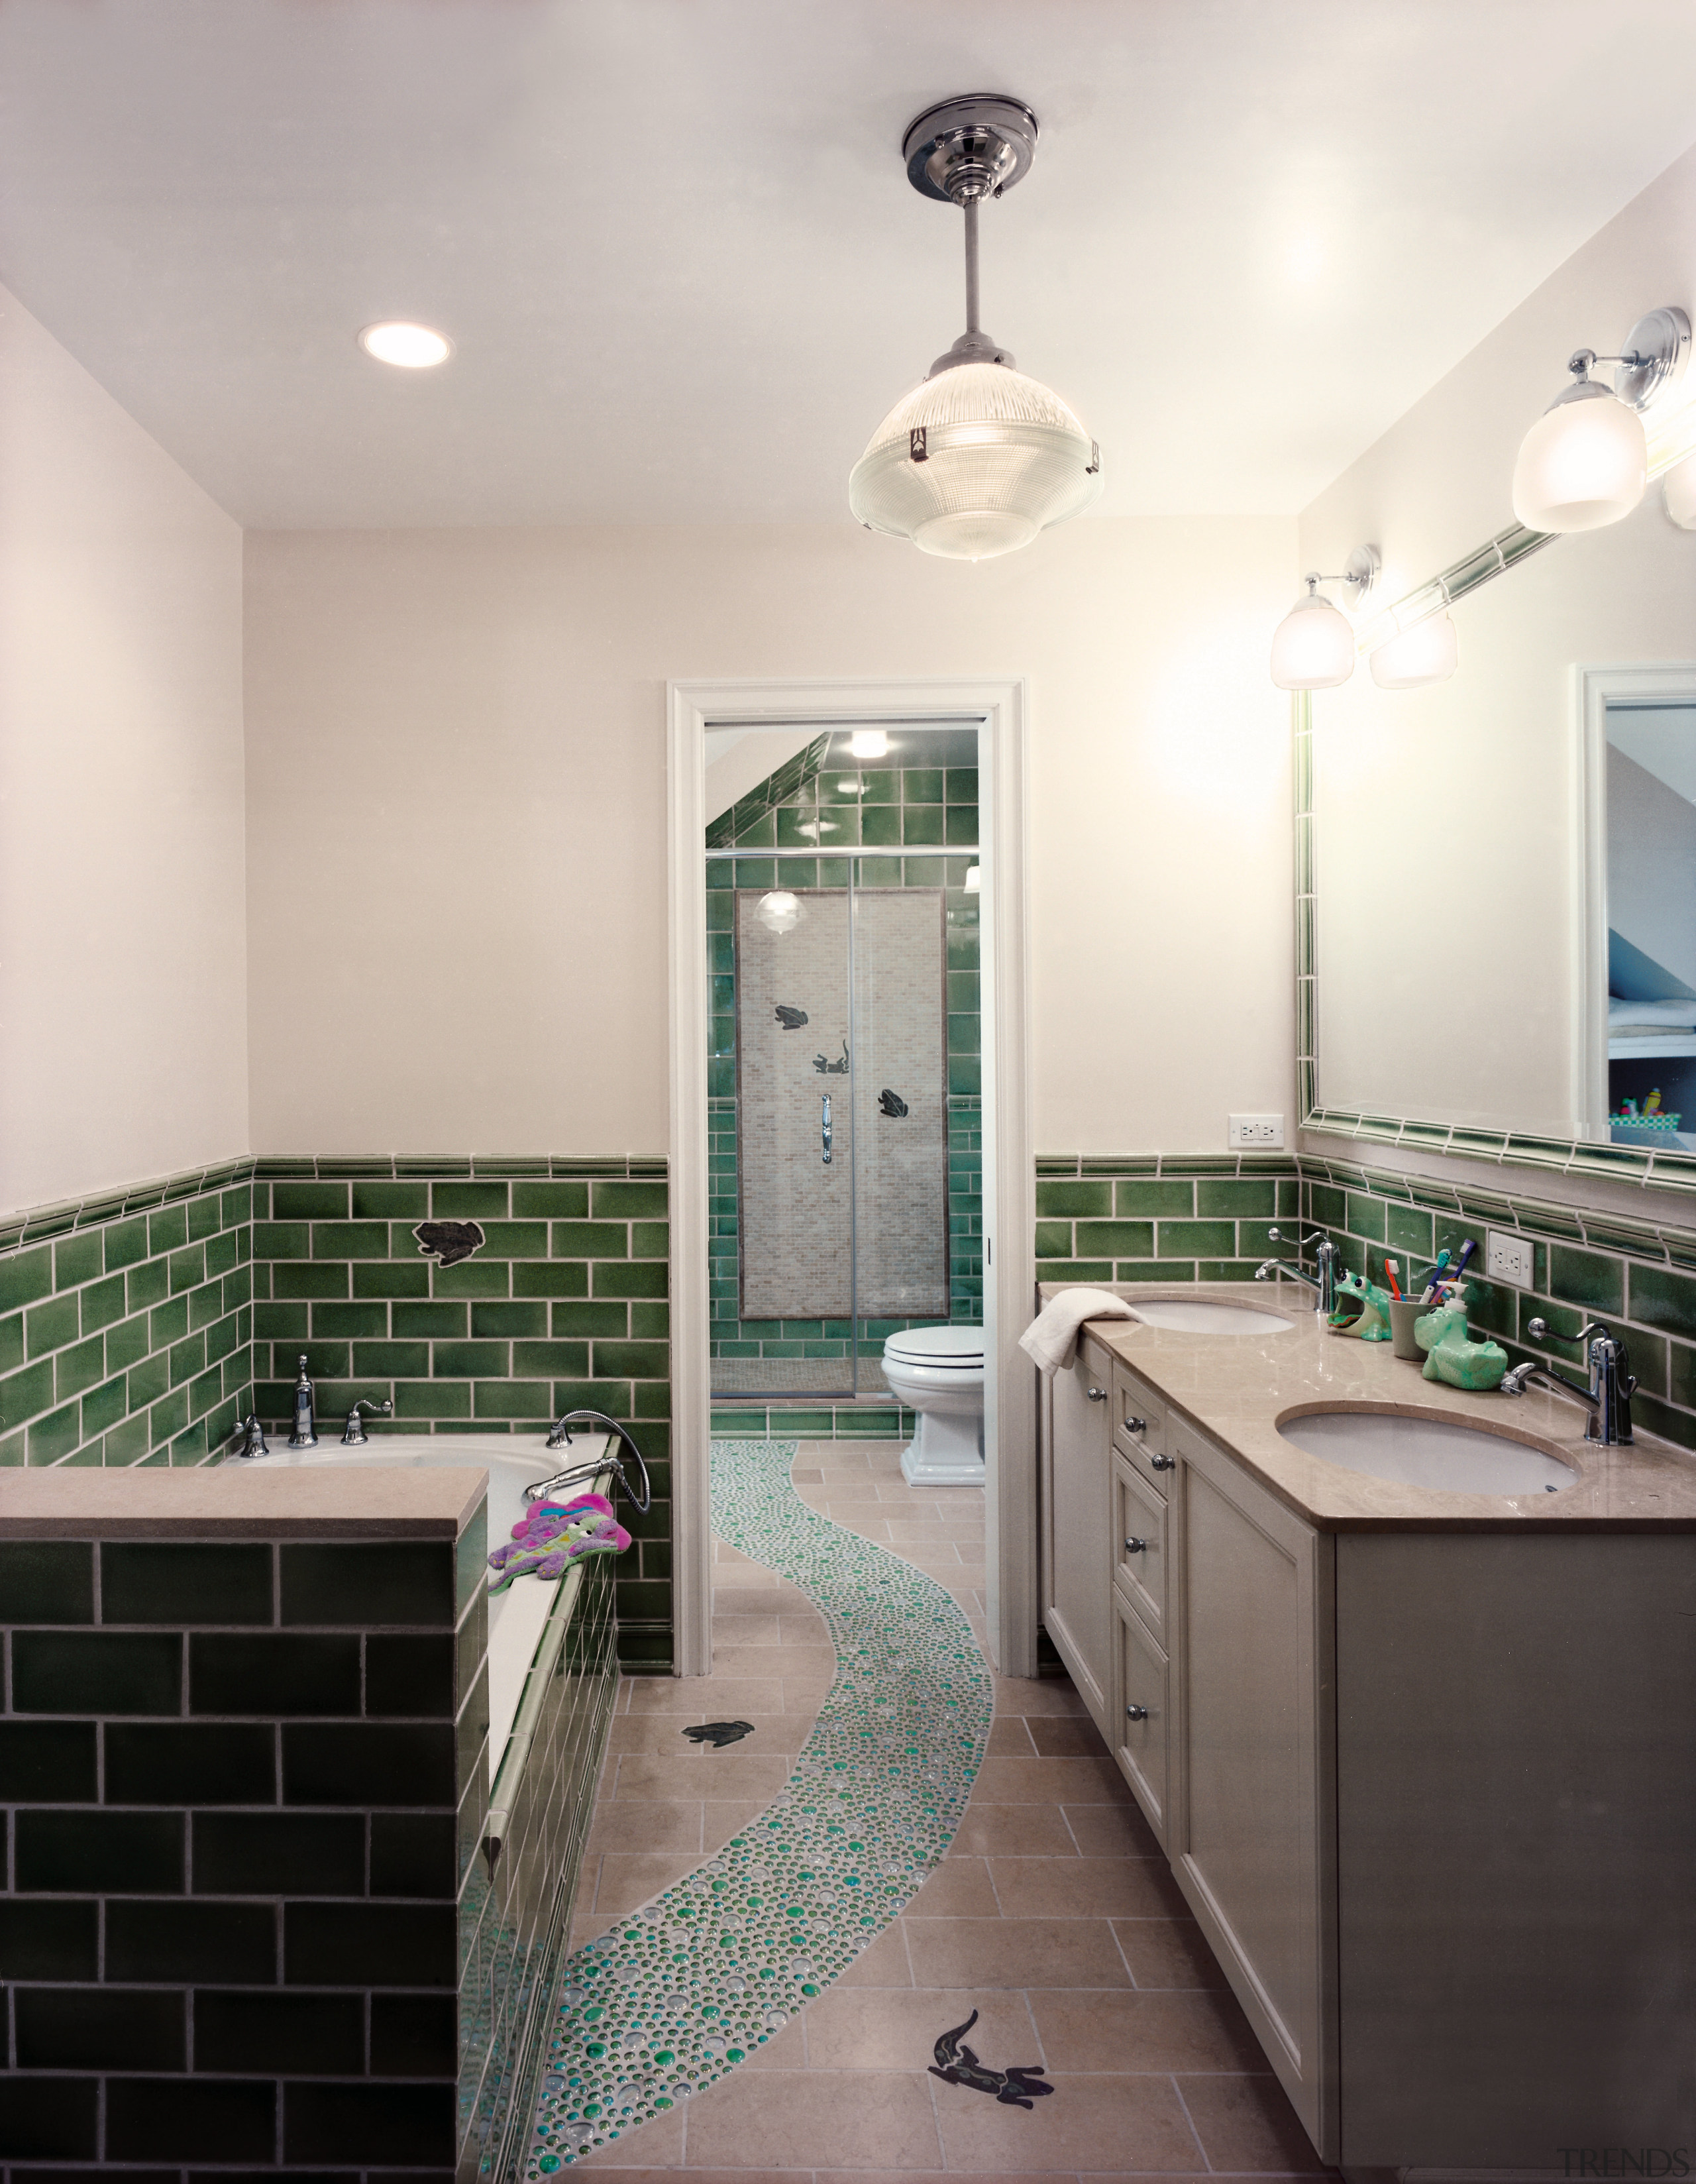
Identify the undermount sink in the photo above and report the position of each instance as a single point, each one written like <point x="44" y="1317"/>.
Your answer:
<point x="1438" y="1454"/>
<point x="1206" y="1316"/>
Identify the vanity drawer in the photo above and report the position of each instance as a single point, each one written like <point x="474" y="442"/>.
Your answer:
<point x="1139" y="1544"/>
<point x="1139" y="1429"/>
<point x="1140" y="1696"/>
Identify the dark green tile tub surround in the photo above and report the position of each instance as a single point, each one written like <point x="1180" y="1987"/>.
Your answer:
<point x="564" y="1306"/>
<point x="126" y="1322"/>
<point x="892" y="808"/>
<point x="245" y="1920"/>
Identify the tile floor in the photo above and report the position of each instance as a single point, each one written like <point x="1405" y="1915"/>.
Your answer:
<point x="1054" y="1916"/>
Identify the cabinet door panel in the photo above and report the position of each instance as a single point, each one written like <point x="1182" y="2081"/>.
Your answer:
<point x="1142" y="1691"/>
<point x="1254" y="1763"/>
<point x="1139" y="1545"/>
<point x="1077" y="1521"/>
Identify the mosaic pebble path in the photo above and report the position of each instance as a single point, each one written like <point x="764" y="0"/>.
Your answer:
<point x="678" y="1994"/>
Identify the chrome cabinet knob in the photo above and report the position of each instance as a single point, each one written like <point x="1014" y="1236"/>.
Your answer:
<point x="1135" y="1546"/>
<point x="1096" y="1395"/>
<point x="1136" y="1425"/>
<point x="1162" y="1463"/>
<point x="1136" y="1713"/>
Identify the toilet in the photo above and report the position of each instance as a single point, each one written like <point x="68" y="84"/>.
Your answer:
<point x="938" y="1372"/>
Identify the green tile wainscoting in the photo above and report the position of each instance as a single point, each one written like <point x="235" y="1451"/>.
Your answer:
<point x="1161" y="1217"/>
<point x="136" y="1326"/>
<point x="126" y="1322"/>
<point x="565" y="1305"/>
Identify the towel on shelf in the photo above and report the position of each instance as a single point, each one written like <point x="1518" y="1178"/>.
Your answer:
<point x="1639" y="1018"/>
<point x="1051" y="1336"/>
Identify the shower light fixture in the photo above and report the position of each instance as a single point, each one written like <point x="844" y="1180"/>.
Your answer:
<point x="780" y="911"/>
<point x="1426" y="653"/>
<point x="977" y="458"/>
<point x="1313" y="647"/>
<point x="1585" y="462"/>
<point x="869" y="742"/>
<point x="398" y="341"/>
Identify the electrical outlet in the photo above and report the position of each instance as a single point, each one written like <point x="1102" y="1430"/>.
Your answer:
<point x="1508" y="1258"/>
<point x="1263" y="1133"/>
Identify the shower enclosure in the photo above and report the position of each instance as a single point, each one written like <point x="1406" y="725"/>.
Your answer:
<point x="844" y="1084"/>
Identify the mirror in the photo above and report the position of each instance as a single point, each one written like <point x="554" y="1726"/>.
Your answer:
<point x="1472" y="844"/>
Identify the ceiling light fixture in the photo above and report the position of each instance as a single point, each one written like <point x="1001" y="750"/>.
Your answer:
<point x="977" y="458"/>
<point x="1585" y="462"/>
<point x="1313" y="647"/>
<point x="869" y="742"/>
<point x="1426" y="652"/>
<point x="398" y="341"/>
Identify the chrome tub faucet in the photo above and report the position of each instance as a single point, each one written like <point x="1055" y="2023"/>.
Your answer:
<point x="1611" y="1388"/>
<point x="608" y="1460"/>
<point x="353" y="1434"/>
<point x="1322" y="1281"/>
<point x="305" y="1434"/>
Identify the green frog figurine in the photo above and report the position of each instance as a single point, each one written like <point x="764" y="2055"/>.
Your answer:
<point x="1450" y="1356"/>
<point x="1361" y="1309"/>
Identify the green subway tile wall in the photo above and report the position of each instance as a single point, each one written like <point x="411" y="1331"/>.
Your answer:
<point x="565" y="1304"/>
<point x="125" y="1323"/>
<point x="842" y="809"/>
<point x="1160" y="1218"/>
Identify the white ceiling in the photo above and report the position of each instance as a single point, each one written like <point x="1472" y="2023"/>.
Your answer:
<point x="686" y="276"/>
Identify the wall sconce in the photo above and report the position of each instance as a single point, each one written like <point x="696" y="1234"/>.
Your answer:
<point x="1678" y="489"/>
<point x="1426" y="653"/>
<point x="1585" y="462"/>
<point x="1313" y="647"/>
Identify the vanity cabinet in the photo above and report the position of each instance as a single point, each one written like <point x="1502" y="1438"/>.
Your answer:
<point x="1077" y="1567"/>
<point x="1427" y="1791"/>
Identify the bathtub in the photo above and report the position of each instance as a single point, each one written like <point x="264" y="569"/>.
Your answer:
<point x="518" y="1616"/>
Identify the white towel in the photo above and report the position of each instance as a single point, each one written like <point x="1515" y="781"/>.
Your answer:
<point x="1051" y="1336"/>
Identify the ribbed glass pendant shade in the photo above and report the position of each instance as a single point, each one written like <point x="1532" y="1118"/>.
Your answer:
<point x="1003" y="458"/>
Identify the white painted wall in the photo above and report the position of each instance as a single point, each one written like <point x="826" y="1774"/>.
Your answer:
<point x="1449" y="874"/>
<point x="456" y="812"/>
<point x="123" y="976"/>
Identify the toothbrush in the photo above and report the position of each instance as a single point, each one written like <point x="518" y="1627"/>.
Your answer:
<point x="1466" y="1251"/>
<point x="1434" y="1276"/>
<point x="1391" y="1269"/>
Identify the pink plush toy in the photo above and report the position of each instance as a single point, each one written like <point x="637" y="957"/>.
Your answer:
<point x="555" y="1534"/>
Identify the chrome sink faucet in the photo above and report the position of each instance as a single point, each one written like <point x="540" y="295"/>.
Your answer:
<point x="1611" y="1384"/>
<point x="1322" y="1281"/>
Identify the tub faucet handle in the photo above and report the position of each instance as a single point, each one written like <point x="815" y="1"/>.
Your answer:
<point x="353" y="1434"/>
<point x="251" y="1435"/>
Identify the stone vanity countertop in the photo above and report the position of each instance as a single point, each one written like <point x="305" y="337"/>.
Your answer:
<point x="1236" y="1388"/>
<point x="231" y="1501"/>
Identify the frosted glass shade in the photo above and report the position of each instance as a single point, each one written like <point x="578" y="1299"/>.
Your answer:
<point x="1003" y="458"/>
<point x="1583" y="464"/>
<point x="1424" y="654"/>
<point x="1313" y="647"/>
<point x="1679" y="488"/>
<point x="779" y="911"/>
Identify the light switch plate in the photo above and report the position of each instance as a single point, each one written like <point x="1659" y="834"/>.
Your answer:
<point x="1508" y="1258"/>
<point x="1261" y="1133"/>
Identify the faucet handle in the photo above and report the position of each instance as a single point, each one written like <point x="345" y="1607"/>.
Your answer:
<point x="354" y="1434"/>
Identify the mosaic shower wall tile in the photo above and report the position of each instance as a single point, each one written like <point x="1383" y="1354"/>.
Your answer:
<point x="673" y="1996"/>
<point x="125" y="1323"/>
<point x="551" y="1292"/>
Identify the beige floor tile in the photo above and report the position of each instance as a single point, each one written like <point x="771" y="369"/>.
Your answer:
<point x="1119" y="2033"/>
<point x="960" y="1888"/>
<point x="784" y="2051"/>
<point x="730" y="1629"/>
<point x="729" y="1773"/>
<point x="1014" y="1831"/>
<point x="860" y="2029"/>
<point x="1246" y="2123"/>
<point x="919" y="1525"/>
<point x="646" y="1824"/>
<point x="723" y="1817"/>
<point x="655" y="2147"/>
<point x="1167" y="1953"/>
<point x="802" y="1630"/>
<point x="1024" y="1952"/>
<point x="1032" y="1694"/>
<point x="658" y="1736"/>
<point x="1068" y="1736"/>
<point x="941" y="1562"/>
<point x="1087" y="1887"/>
<point x="628" y="1878"/>
<point x="787" y="1660"/>
<point x="1058" y="1781"/>
<point x="883" y="1964"/>
<point x="717" y="1695"/>
<point x="1111" y="1830"/>
<point x="797" y="2118"/>
<point x="1009" y="1738"/>
<point x="1123" y="2126"/>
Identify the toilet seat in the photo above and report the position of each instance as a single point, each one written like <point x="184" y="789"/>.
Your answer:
<point x="942" y="1349"/>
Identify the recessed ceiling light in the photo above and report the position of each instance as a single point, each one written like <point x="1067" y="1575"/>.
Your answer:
<point x="398" y="341"/>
